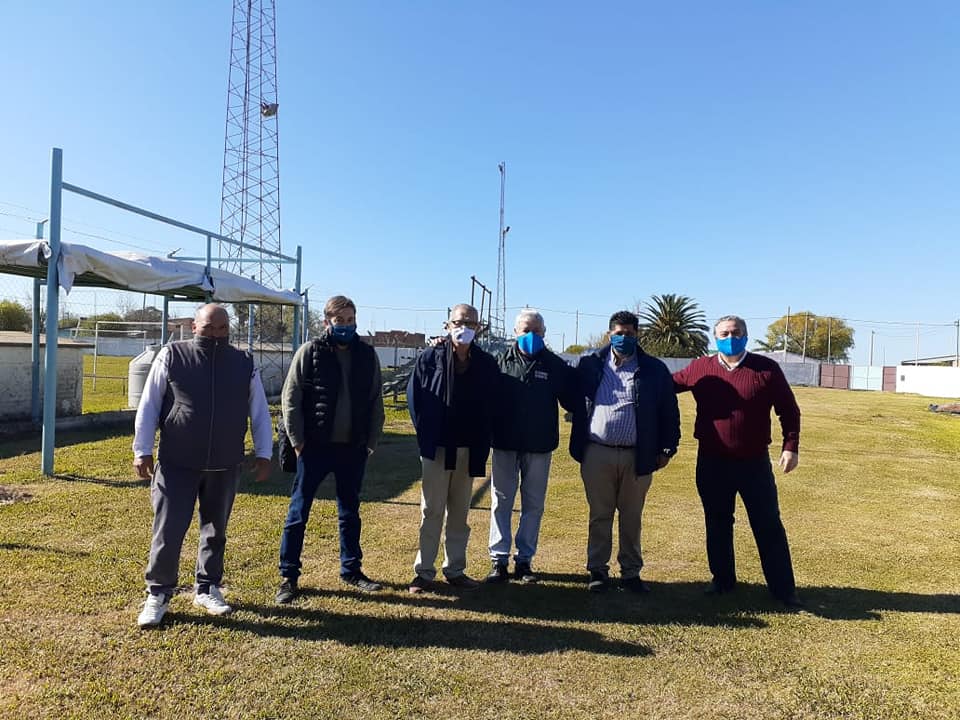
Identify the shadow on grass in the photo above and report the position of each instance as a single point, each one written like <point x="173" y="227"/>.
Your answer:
<point x="565" y="598"/>
<point x="22" y="547"/>
<point x="108" y="482"/>
<point x="25" y="445"/>
<point x="668" y="604"/>
<point x="317" y="625"/>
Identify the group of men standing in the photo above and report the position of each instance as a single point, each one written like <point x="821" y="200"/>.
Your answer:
<point x="464" y="402"/>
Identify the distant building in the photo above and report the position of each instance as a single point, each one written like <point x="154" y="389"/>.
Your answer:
<point x="395" y="338"/>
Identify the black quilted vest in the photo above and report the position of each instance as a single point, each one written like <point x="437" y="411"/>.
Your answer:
<point x="205" y="409"/>
<point x="321" y="390"/>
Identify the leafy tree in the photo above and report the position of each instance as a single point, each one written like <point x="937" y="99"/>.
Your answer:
<point x="822" y="333"/>
<point x="14" y="316"/>
<point x="272" y="323"/>
<point x="672" y="326"/>
<point x="150" y="314"/>
<point x="576" y="349"/>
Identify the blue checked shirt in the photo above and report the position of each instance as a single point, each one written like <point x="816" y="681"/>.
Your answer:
<point x="613" y="420"/>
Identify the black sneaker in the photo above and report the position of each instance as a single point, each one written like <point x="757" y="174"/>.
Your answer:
<point x="634" y="585"/>
<point x="523" y="573"/>
<point x="598" y="582"/>
<point x="498" y="573"/>
<point x="361" y="582"/>
<point x="287" y="591"/>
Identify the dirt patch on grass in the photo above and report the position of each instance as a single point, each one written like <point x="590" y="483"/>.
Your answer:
<point x="8" y="496"/>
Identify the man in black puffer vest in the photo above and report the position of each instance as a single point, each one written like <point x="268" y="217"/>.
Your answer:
<point x="333" y="415"/>
<point x="525" y="434"/>
<point x="200" y="393"/>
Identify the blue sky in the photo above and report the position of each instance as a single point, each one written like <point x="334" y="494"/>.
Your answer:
<point x="751" y="155"/>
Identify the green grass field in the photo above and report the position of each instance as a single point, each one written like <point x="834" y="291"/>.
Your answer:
<point x="873" y="516"/>
<point x="109" y="390"/>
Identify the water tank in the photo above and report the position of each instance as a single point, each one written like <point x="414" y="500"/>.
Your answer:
<point x="137" y="375"/>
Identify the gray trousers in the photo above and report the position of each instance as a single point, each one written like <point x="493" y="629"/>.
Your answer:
<point x="174" y="494"/>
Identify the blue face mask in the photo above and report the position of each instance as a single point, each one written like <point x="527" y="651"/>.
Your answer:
<point x="343" y="333"/>
<point x="530" y="343"/>
<point x="732" y="346"/>
<point x="624" y="344"/>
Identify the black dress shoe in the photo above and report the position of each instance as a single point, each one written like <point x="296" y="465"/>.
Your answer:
<point x="634" y="585"/>
<point x="716" y="589"/>
<point x="792" y="602"/>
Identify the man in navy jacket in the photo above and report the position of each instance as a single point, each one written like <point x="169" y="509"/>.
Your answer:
<point x="451" y="397"/>
<point x="630" y="430"/>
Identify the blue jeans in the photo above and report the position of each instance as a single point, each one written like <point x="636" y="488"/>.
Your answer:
<point x="529" y="472"/>
<point x="347" y="464"/>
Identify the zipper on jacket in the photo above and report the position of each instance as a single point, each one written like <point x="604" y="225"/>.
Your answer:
<point x="213" y="400"/>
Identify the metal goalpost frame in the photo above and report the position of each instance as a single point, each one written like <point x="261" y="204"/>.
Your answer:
<point x="57" y="187"/>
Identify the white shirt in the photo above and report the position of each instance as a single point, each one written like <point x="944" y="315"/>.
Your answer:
<point x="148" y="412"/>
<point x="728" y="366"/>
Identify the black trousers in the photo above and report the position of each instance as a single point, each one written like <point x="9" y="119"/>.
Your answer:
<point x="719" y="479"/>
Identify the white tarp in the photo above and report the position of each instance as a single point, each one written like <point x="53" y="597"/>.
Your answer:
<point x="141" y="273"/>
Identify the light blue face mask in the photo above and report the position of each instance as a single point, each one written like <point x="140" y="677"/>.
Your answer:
<point x="624" y="344"/>
<point x="530" y="343"/>
<point x="343" y="333"/>
<point x="732" y="346"/>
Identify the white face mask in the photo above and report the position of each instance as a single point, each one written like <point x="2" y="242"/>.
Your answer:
<point x="462" y="335"/>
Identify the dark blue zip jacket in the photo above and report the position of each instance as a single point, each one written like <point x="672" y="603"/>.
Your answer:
<point x="654" y="402"/>
<point x="426" y="392"/>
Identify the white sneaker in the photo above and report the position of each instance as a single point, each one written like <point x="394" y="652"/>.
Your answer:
<point x="212" y="601"/>
<point x="153" y="611"/>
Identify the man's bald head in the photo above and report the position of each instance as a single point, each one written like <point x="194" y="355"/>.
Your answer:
<point x="211" y="320"/>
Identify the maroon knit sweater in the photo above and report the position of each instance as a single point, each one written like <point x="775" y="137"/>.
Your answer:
<point x="733" y="406"/>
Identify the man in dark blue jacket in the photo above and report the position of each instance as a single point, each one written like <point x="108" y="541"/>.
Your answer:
<point x="630" y="430"/>
<point x="525" y="434"/>
<point x="451" y="397"/>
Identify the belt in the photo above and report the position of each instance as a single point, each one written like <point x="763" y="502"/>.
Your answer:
<point x="615" y="447"/>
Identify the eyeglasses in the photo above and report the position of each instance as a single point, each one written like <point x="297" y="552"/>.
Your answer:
<point x="464" y="323"/>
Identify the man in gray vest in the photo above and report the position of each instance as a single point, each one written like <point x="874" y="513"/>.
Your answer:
<point x="200" y="392"/>
<point x="333" y="415"/>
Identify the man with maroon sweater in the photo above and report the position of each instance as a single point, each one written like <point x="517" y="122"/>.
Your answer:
<point x="734" y="391"/>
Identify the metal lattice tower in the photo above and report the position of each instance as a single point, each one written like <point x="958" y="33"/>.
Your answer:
<point x="499" y="318"/>
<point x="250" y="205"/>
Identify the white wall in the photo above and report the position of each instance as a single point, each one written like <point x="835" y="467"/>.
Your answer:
<point x="15" y="381"/>
<point x="930" y="381"/>
<point x="866" y="377"/>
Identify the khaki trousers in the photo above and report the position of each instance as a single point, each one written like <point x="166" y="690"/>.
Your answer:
<point x="612" y="486"/>
<point x="444" y="503"/>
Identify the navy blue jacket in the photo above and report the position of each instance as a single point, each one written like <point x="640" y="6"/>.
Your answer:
<point x="426" y="394"/>
<point x="655" y="406"/>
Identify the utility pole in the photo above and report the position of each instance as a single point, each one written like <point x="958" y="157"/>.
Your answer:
<point x="916" y="356"/>
<point x="786" y="334"/>
<point x="956" y="359"/>
<point x="576" y="329"/>
<point x="871" y="348"/>
<point x="829" y="336"/>
<point x="803" y="357"/>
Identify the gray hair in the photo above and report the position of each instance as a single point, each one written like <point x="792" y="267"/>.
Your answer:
<point x="466" y="307"/>
<point x="530" y="314"/>
<point x="741" y="323"/>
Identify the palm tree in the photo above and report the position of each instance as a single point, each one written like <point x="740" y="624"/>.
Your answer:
<point x="673" y="326"/>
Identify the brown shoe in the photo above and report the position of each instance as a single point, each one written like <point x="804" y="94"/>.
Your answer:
<point x="464" y="582"/>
